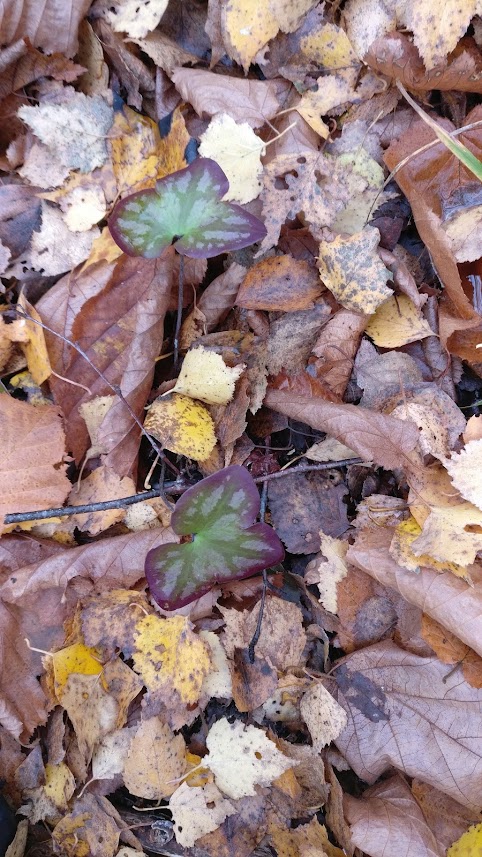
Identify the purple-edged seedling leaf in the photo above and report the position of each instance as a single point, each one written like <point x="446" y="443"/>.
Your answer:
<point x="219" y="511"/>
<point x="185" y="209"/>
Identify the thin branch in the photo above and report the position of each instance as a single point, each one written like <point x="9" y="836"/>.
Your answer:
<point x="169" y="487"/>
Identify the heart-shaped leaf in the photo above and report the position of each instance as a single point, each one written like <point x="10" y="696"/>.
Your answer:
<point x="185" y="209"/>
<point x="219" y="511"/>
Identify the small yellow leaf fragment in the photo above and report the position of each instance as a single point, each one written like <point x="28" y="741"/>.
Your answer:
<point x="171" y="657"/>
<point x="35" y="349"/>
<point x="469" y="844"/>
<point x="351" y="269"/>
<point x="397" y="322"/>
<point x="59" y="785"/>
<point x="78" y="659"/>
<point x="182" y="426"/>
<point x="205" y="376"/>
<point x="237" y="150"/>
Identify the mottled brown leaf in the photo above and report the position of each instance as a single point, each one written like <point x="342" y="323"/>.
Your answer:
<point x="410" y="712"/>
<point x="279" y="283"/>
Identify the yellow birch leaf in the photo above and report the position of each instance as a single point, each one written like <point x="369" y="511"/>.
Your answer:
<point x="397" y="322"/>
<point x="35" y="349"/>
<point x="334" y="90"/>
<point x="205" y="376"/>
<point x="330" y="47"/>
<point x="237" y="150"/>
<point x="469" y="844"/>
<point x="401" y="551"/>
<point x="248" y="25"/>
<point x="351" y="269"/>
<point x="181" y="425"/>
<point x="78" y="659"/>
<point x="170" y="657"/>
<point x="139" y="156"/>
<point x="59" y="785"/>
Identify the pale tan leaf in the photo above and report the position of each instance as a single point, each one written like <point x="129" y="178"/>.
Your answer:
<point x="241" y="757"/>
<point x="205" y="376"/>
<point x="155" y="756"/>
<point x="438" y="26"/>
<point x="327" y="569"/>
<point x="52" y="26"/>
<point x="135" y="17"/>
<point x="198" y="811"/>
<point x="324" y="717"/>
<point x="329" y="450"/>
<point x="465" y="469"/>
<point x="238" y="151"/>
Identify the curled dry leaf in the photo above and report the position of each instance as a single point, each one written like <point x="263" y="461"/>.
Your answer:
<point x="373" y="436"/>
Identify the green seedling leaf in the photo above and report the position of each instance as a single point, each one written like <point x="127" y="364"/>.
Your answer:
<point x="219" y="512"/>
<point x="185" y="209"/>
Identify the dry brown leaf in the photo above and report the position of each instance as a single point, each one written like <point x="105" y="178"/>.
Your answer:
<point x="336" y="347"/>
<point x="446" y="818"/>
<point x="279" y="283"/>
<point x="109" y="620"/>
<point x="117" y="312"/>
<point x="213" y="306"/>
<point x="89" y="824"/>
<point x="282" y="637"/>
<point x="307" y="840"/>
<point x="53" y="27"/>
<point x="252" y="682"/>
<point x="387" y="821"/>
<point x="373" y="436"/>
<point x="100" y="485"/>
<point x="251" y="101"/>
<point x="22" y="702"/>
<point x="395" y="56"/>
<point x="33" y="474"/>
<point x="314" y="501"/>
<point x="450" y="650"/>
<point x="444" y="750"/>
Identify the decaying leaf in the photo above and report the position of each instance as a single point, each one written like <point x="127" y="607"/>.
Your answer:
<point x="182" y="425"/>
<point x="351" y="269"/>
<point x="155" y="760"/>
<point x="322" y="714"/>
<point x="241" y="757"/>
<point x="205" y="376"/>
<point x="197" y="811"/>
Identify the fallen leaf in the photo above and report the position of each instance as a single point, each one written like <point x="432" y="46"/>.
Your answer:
<point x="307" y="839"/>
<point x="55" y="249"/>
<point x="251" y="101"/>
<point x="110" y="754"/>
<point x="324" y="717"/>
<point x="373" y="436"/>
<point x="351" y="269"/>
<point x="78" y="659"/>
<point x="329" y="570"/>
<point x="23" y="703"/>
<point x="316" y="506"/>
<point x="387" y="821"/>
<point x="404" y="536"/>
<point x="64" y="127"/>
<point x="247" y="27"/>
<point x="217" y="682"/>
<point x="329" y="450"/>
<point x="134" y="17"/>
<point x="450" y="650"/>
<point x="181" y="425"/>
<point x="176" y="669"/>
<point x="241" y="757"/>
<point x="464" y="470"/>
<point x="100" y="485"/>
<point x="284" y="201"/>
<point x="197" y="811"/>
<point x="33" y="474"/>
<point x="446" y="818"/>
<point x="205" y="376"/>
<point x="469" y="842"/>
<point x="252" y="682"/>
<point x="279" y="283"/>
<point x="55" y="29"/>
<point x="117" y="311"/>
<point x="238" y="151"/>
<point x="282" y="638"/>
<point x="92" y="711"/>
<point x="437" y="30"/>
<point x="88" y="825"/>
<point x="156" y="759"/>
<point x="397" y="322"/>
<point x="383" y="679"/>
<point x="110" y="620"/>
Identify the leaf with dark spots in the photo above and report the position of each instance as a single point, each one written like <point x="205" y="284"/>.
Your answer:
<point x="362" y="693"/>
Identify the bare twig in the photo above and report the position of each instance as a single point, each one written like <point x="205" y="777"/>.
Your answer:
<point x="169" y="488"/>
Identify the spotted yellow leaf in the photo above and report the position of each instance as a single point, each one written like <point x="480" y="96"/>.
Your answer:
<point x="78" y="659"/>
<point x="182" y="425"/>
<point x="351" y="269"/>
<point x="170" y="657"/>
